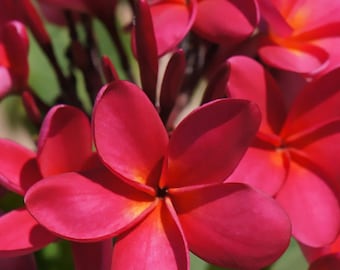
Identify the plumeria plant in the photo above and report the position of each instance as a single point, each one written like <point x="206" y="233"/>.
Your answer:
<point x="169" y="134"/>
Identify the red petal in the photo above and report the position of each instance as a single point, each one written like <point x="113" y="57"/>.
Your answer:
<point x="261" y="168"/>
<point x="311" y="206"/>
<point x="274" y="18"/>
<point x="129" y="134"/>
<point x="231" y="20"/>
<point x="89" y="256"/>
<point x="146" y="49"/>
<point x="21" y="234"/>
<point x="224" y="225"/>
<point x="305" y="58"/>
<point x="316" y="104"/>
<point x="169" y="32"/>
<point x="18" y="167"/>
<point x="16" y="42"/>
<point x="221" y="130"/>
<point x="322" y="148"/>
<point x="249" y="80"/>
<point x="64" y="141"/>
<point x="156" y="243"/>
<point x="91" y="207"/>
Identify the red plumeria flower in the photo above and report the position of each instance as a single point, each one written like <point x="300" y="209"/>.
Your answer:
<point x="226" y="21"/>
<point x="13" y="58"/>
<point x="299" y="33"/>
<point x="64" y="145"/>
<point x="293" y="155"/>
<point x="165" y="196"/>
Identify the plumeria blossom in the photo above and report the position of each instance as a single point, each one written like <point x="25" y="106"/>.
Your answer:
<point x="64" y="145"/>
<point x="13" y="58"/>
<point x="300" y="34"/>
<point x="293" y="156"/>
<point x="162" y="197"/>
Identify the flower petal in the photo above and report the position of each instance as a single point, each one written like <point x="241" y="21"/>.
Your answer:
<point x="65" y="141"/>
<point x="221" y="28"/>
<point x="316" y="104"/>
<point x="224" y="225"/>
<point x="311" y="206"/>
<point x="18" y="167"/>
<point x="21" y="234"/>
<point x="262" y="168"/>
<point x="146" y="49"/>
<point x="322" y="148"/>
<point x="305" y="58"/>
<point x="93" y="206"/>
<point x="129" y="134"/>
<point x="221" y="130"/>
<point x="169" y="32"/>
<point x="249" y="80"/>
<point x="274" y="18"/>
<point x="89" y="256"/>
<point x="16" y="43"/>
<point x="156" y="243"/>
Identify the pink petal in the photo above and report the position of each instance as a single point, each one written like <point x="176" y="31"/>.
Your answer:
<point x="89" y="256"/>
<point x="322" y="148"/>
<point x="311" y="206"/>
<point x="317" y="103"/>
<point x="26" y="262"/>
<point x="18" y="167"/>
<point x="330" y="45"/>
<point x="249" y="80"/>
<point x="156" y="243"/>
<point x="21" y="234"/>
<point x="169" y="31"/>
<point x="305" y="58"/>
<point x="310" y="16"/>
<point x="87" y="207"/>
<point x="262" y="168"/>
<point x="224" y="225"/>
<point x="231" y="20"/>
<point x="129" y="134"/>
<point x="221" y="130"/>
<point x="64" y="141"/>
<point x="331" y="261"/>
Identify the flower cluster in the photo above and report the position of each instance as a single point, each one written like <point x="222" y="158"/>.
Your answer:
<point x="214" y="130"/>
